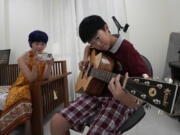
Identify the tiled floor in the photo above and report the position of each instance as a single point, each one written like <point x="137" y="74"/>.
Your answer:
<point x="152" y="124"/>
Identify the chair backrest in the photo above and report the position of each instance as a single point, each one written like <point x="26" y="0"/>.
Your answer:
<point x="4" y="56"/>
<point x="11" y="71"/>
<point x="148" y="64"/>
<point x="146" y="61"/>
<point x="140" y="112"/>
<point x="133" y="120"/>
<point x="172" y="52"/>
<point x="8" y="74"/>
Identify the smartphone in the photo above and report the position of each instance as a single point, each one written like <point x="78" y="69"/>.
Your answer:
<point x="45" y="56"/>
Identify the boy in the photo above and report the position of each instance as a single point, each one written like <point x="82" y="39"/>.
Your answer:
<point x="111" y="112"/>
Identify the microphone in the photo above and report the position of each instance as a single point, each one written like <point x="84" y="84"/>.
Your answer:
<point x="126" y="27"/>
<point x="119" y="27"/>
<point x="117" y="23"/>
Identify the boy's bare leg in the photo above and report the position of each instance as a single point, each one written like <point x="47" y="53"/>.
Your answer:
<point x="27" y="128"/>
<point x="59" y="125"/>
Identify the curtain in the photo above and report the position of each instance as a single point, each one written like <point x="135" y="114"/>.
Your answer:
<point x="105" y="8"/>
<point x="3" y="24"/>
<point x="60" y="23"/>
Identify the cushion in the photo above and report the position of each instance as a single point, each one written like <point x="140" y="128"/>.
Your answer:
<point x="3" y="95"/>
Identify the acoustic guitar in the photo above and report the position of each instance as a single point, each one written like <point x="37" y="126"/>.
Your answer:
<point x="98" y="73"/>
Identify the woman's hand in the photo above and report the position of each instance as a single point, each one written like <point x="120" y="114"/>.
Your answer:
<point x="50" y="62"/>
<point x="47" y="70"/>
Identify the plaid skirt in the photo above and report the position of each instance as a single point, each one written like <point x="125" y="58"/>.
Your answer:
<point x="109" y="114"/>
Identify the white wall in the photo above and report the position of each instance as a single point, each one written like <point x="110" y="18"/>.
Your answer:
<point x="3" y="25"/>
<point x="149" y="30"/>
<point x="174" y="16"/>
<point x="24" y="17"/>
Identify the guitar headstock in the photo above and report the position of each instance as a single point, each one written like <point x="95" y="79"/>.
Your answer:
<point x="157" y="93"/>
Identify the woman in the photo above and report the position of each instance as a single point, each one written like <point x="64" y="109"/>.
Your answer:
<point x="18" y="109"/>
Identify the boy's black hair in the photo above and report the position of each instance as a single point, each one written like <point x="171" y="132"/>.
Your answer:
<point x="37" y="36"/>
<point x="89" y="27"/>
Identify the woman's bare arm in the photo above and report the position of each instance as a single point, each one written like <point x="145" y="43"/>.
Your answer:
<point x="23" y="65"/>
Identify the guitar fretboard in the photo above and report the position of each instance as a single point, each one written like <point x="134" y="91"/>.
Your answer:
<point x="104" y="75"/>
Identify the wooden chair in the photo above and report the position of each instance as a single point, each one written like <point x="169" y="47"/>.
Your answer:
<point x="46" y="96"/>
<point x="4" y="56"/>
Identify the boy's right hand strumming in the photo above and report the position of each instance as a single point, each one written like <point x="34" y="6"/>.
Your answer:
<point x="84" y="62"/>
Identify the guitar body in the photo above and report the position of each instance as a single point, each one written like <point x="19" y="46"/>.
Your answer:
<point x="98" y="73"/>
<point x="86" y="83"/>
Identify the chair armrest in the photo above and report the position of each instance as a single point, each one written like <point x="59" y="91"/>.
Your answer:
<point x="44" y="92"/>
<point x="59" y="81"/>
<point x="36" y="87"/>
<point x="53" y="78"/>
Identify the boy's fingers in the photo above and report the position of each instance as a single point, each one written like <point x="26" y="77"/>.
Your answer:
<point x="111" y="84"/>
<point x="117" y="82"/>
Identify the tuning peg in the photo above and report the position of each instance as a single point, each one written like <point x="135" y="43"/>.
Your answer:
<point x="157" y="101"/>
<point x="133" y="92"/>
<point x="143" y="96"/>
<point x="168" y="80"/>
<point x="145" y="76"/>
<point x="160" y="112"/>
<point x="159" y="86"/>
<point x="156" y="78"/>
<point x="147" y="106"/>
<point x="137" y="101"/>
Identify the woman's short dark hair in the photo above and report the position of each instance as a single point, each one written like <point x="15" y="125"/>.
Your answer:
<point x="37" y="36"/>
<point x="89" y="27"/>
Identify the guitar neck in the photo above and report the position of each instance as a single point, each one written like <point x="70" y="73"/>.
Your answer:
<point x="159" y="94"/>
<point x="107" y="76"/>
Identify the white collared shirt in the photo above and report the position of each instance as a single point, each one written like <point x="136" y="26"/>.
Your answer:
<point x="116" y="45"/>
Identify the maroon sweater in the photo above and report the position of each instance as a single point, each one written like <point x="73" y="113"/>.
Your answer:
<point x="130" y="61"/>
